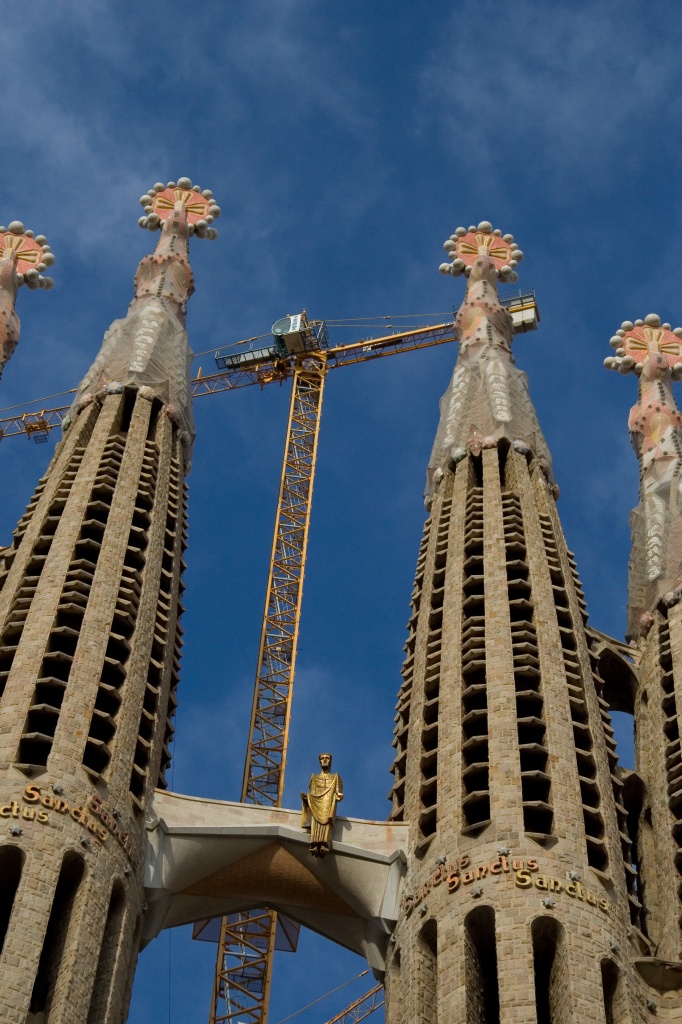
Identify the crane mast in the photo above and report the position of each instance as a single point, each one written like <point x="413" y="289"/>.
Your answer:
<point x="247" y="941"/>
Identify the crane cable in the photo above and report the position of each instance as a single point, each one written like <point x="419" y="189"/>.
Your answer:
<point x="357" y="321"/>
<point x="325" y="996"/>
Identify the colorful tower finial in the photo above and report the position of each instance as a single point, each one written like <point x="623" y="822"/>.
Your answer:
<point x="23" y="257"/>
<point x="653" y="352"/>
<point x="201" y="208"/>
<point x="149" y="349"/>
<point x="465" y="246"/>
<point x="488" y="397"/>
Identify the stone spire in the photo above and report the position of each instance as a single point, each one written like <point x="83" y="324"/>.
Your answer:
<point x="488" y="397"/>
<point x="90" y="649"/>
<point x="149" y="347"/>
<point x="23" y="257"/>
<point x="653" y="352"/>
<point x="505" y="768"/>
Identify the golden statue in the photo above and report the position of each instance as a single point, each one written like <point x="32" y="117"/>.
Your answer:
<point x="319" y="806"/>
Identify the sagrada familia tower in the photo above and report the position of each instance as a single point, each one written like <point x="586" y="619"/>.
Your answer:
<point x="523" y="875"/>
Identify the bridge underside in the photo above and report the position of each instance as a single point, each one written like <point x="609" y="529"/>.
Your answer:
<point x="208" y="858"/>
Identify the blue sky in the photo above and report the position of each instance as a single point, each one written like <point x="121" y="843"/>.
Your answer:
<point x="344" y="143"/>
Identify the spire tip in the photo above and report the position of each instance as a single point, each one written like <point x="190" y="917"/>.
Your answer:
<point x="200" y="207"/>
<point x="31" y="253"/>
<point x="464" y="247"/>
<point x="637" y="342"/>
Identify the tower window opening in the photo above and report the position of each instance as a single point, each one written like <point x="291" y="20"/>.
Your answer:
<point x="427" y="952"/>
<point x="480" y="967"/>
<point x="25" y="594"/>
<point x="475" y="765"/>
<point x="552" y="997"/>
<point x="106" y="964"/>
<point x="536" y="784"/>
<point x="11" y="863"/>
<point x="428" y="783"/>
<point x="597" y="854"/>
<point x="671" y="733"/>
<point x="615" y="1009"/>
<point x="59" y="926"/>
<point x="126" y="410"/>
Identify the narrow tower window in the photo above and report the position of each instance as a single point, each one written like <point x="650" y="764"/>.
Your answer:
<point x="106" y="965"/>
<point x="615" y="1010"/>
<point x="597" y="853"/>
<point x="427" y="952"/>
<point x="480" y="967"/>
<point x="58" y="927"/>
<point x="402" y="717"/>
<point x="538" y="814"/>
<point x="11" y="863"/>
<point x="475" y="764"/>
<point x="551" y="974"/>
<point x="428" y="787"/>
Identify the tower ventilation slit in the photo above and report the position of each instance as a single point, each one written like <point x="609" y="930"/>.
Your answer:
<point x="538" y="814"/>
<point x="102" y="730"/>
<point x="402" y="716"/>
<point x="428" y="763"/>
<point x="631" y="874"/>
<point x="177" y="508"/>
<point x="164" y="664"/>
<point x="475" y="761"/>
<point x="21" y="605"/>
<point x="597" y="854"/>
<point x="671" y="739"/>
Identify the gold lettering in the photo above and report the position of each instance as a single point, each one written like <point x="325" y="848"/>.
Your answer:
<point x="31" y="794"/>
<point x="47" y="801"/>
<point x="604" y="905"/>
<point x="541" y="882"/>
<point x="570" y="889"/>
<point x="555" y="885"/>
<point x="76" y="812"/>
<point x="591" y="899"/>
<point x="61" y="806"/>
<point x="5" y="811"/>
<point x="43" y="817"/>
<point x="28" y="813"/>
<point x="522" y="880"/>
<point x="103" y="834"/>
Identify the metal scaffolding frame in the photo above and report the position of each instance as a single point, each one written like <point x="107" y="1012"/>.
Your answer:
<point x="361" y="1008"/>
<point x="247" y="941"/>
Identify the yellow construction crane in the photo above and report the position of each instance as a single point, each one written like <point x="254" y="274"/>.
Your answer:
<point x="299" y="349"/>
<point x="361" y="1008"/>
<point x="247" y="942"/>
